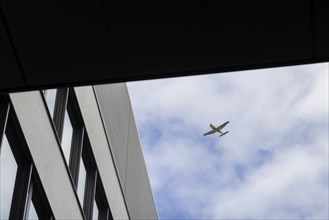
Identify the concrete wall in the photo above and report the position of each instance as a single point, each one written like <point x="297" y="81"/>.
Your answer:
<point x="118" y="118"/>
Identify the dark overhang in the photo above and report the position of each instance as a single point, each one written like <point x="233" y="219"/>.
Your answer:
<point x="45" y="44"/>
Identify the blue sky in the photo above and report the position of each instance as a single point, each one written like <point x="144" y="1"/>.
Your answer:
<point x="272" y="165"/>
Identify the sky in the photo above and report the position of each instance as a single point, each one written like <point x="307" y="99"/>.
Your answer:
<point x="273" y="164"/>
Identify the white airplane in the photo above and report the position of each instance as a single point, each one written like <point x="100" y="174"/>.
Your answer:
<point x="217" y="129"/>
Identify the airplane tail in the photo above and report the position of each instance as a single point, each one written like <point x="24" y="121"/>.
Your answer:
<point x="224" y="133"/>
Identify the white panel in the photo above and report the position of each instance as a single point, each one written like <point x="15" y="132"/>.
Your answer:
<point x="126" y="148"/>
<point x="45" y="151"/>
<point x="101" y="151"/>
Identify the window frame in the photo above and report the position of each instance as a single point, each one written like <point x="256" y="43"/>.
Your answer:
<point x="104" y="211"/>
<point x="94" y="190"/>
<point x="91" y="178"/>
<point x="59" y="110"/>
<point x="77" y="135"/>
<point x="39" y="199"/>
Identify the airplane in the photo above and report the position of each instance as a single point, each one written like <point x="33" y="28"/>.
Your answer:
<point x="217" y="129"/>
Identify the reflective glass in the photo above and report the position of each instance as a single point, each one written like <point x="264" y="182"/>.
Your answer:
<point x="50" y="96"/>
<point x="67" y="136"/>
<point x="95" y="211"/>
<point x="8" y="170"/>
<point x="81" y="181"/>
<point x="32" y="213"/>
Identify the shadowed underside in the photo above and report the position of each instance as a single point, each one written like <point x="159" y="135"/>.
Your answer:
<point x="71" y="43"/>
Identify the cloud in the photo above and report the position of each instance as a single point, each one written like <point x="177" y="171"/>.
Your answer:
<point x="272" y="164"/>
<point x="290" y="186"/>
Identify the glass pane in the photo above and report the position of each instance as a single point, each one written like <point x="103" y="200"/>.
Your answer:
<point x="8" y="169"/>
<point x="81" y="181"/>
<point x="50" y="96"/>
<point x="95" y="212"/>
<point x="67" y="136"/>
<point x="32" y="213"/>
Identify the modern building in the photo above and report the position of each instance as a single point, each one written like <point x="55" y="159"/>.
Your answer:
<point x="72" y="153"/>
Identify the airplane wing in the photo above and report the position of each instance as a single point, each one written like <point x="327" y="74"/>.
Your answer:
<point x="209" y="132"/>
<point x="222" y="126"/>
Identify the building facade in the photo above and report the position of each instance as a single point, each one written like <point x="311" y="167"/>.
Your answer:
<point x="72" y="153"/>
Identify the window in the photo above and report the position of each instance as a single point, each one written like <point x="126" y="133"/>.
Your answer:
<point x="32" y="213"/>
<point x="8" y="170"/>
<point x="67" y="136"/>
<point x="95" y="211"/>
<point x="103" y="210"/>
<point x="78" y="155"/>
<point x="89" y="165"/>
<point x="68" y="126"/>
<point x="20" y="183"/>
<point x="38" y="200"/>
<point x="82" y="181"/>
<point x="50" y="96"/>
<point x="95" y="204"/>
